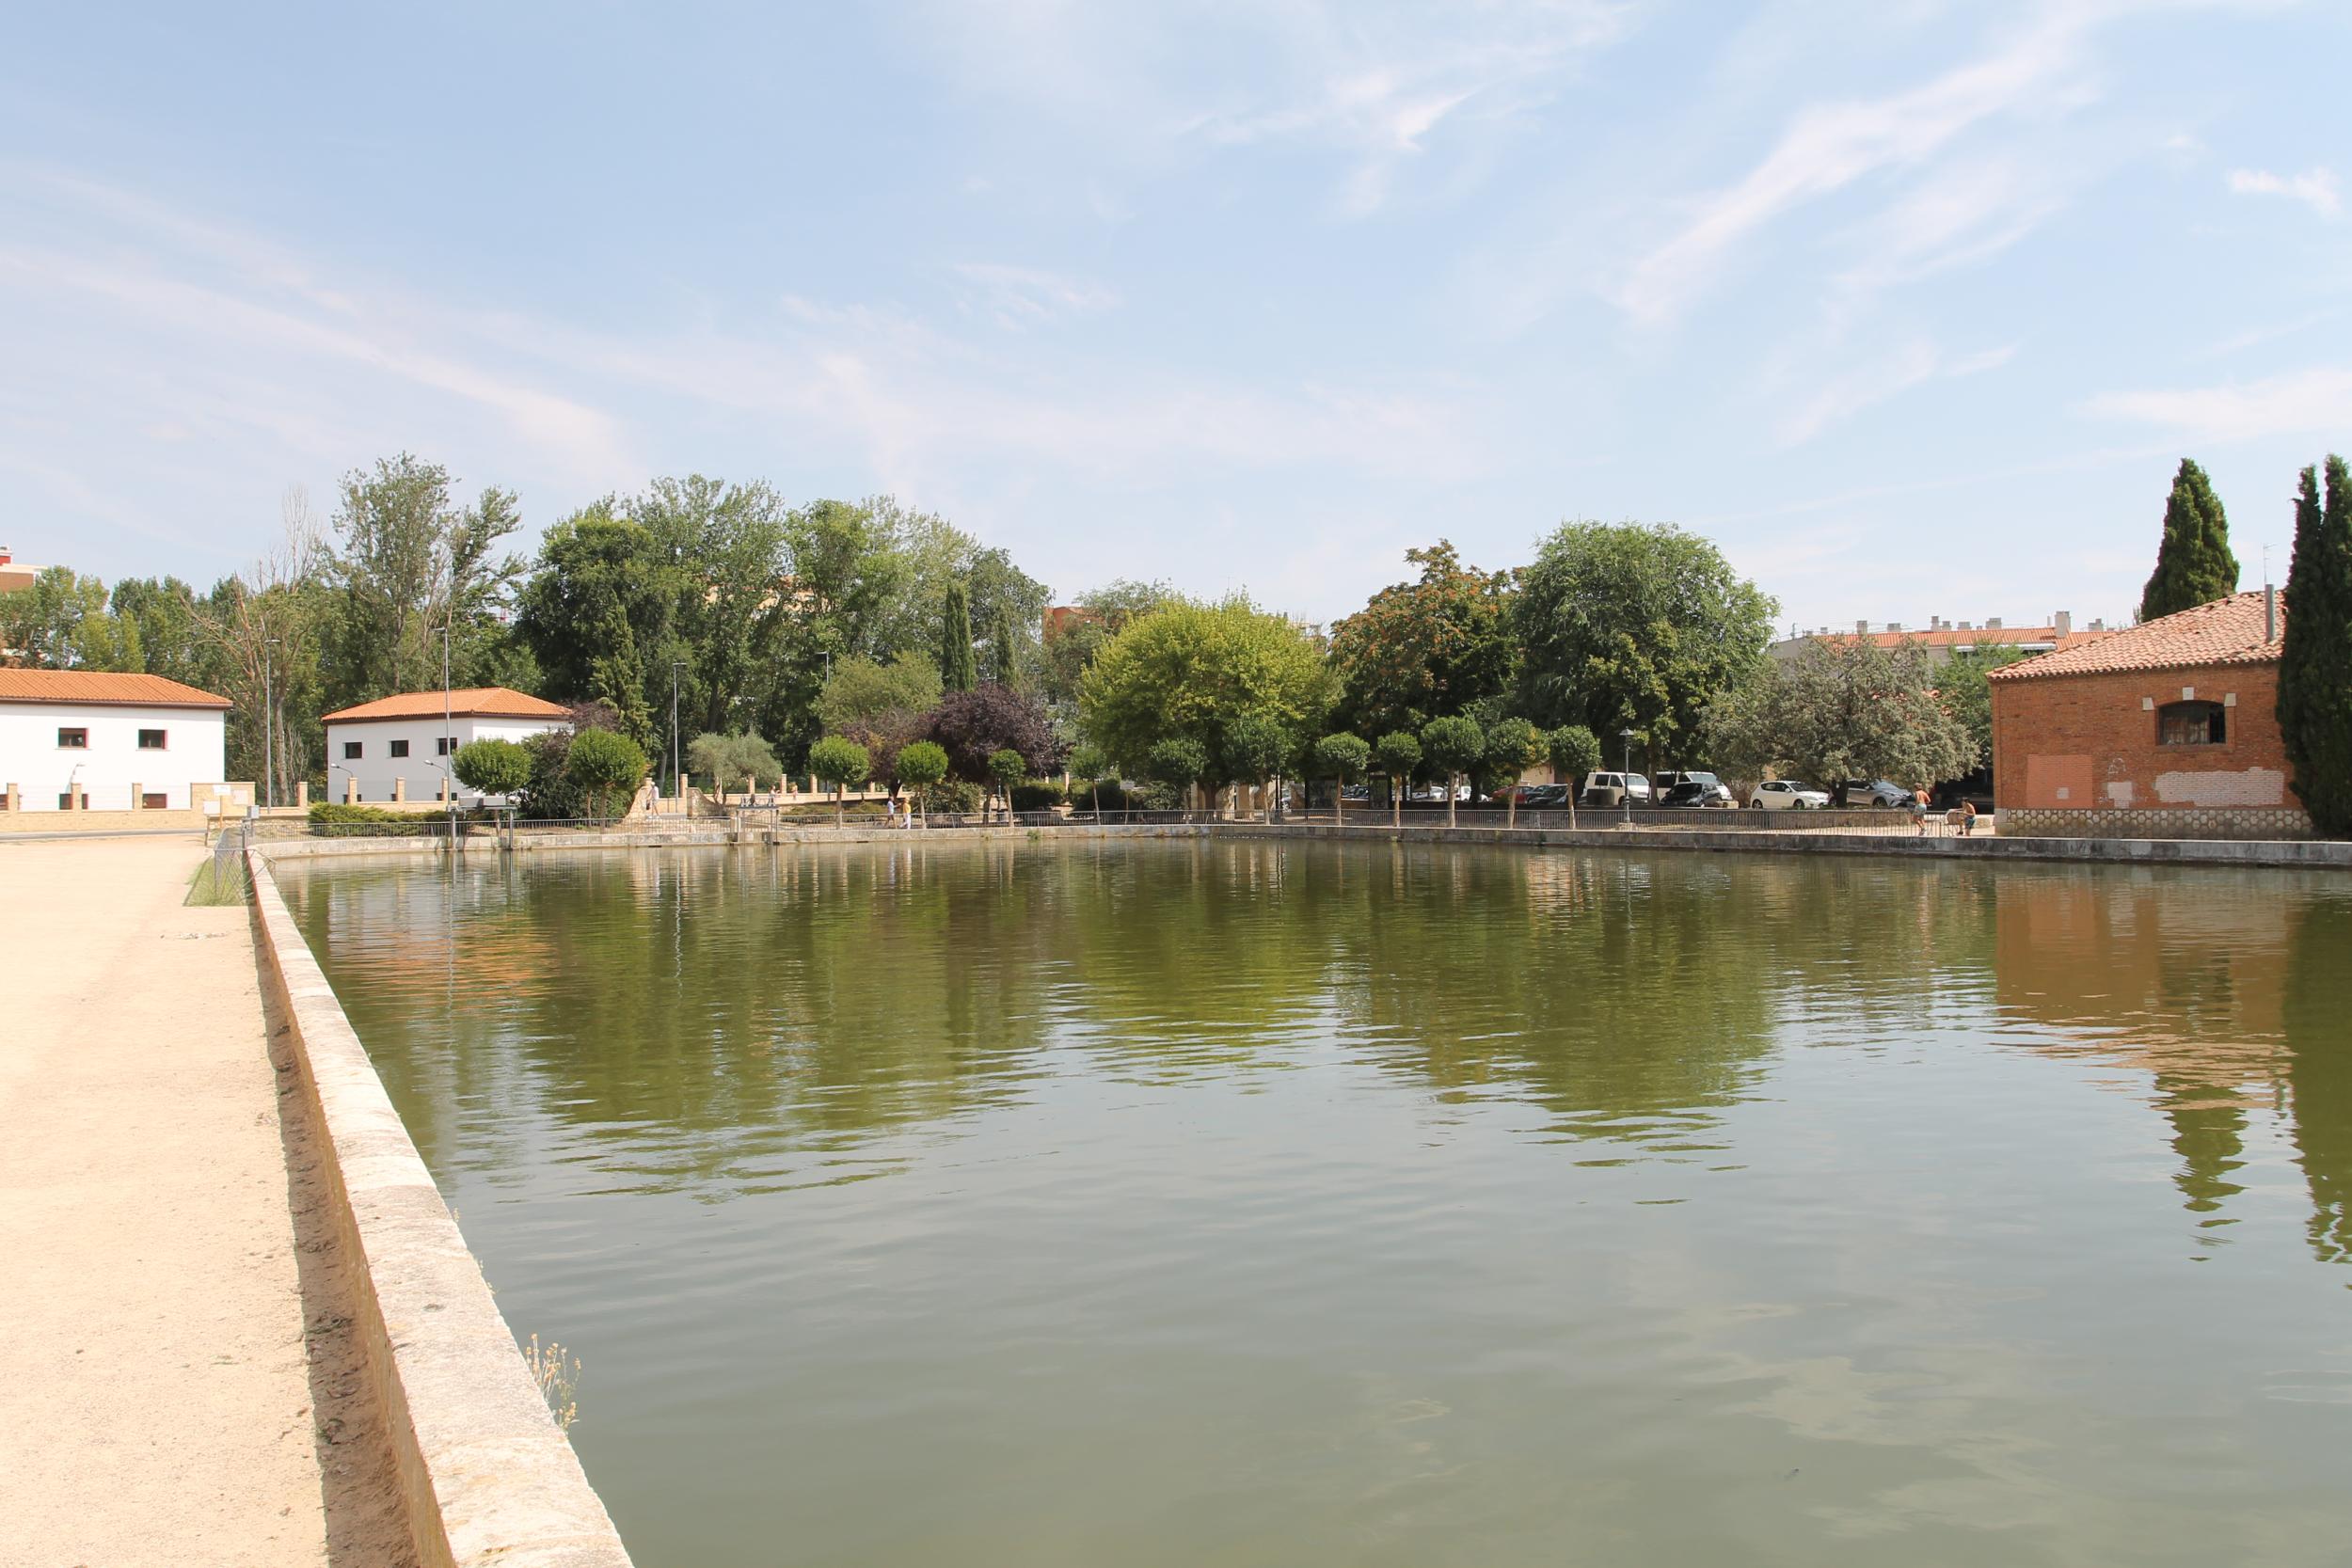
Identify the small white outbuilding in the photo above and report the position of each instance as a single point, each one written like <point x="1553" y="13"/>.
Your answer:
<point x="93" y="740"/>
<point x="398" y="748"/>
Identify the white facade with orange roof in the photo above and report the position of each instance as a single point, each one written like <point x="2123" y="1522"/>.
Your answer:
<point x="398" y="747"/>
<point x="90" y="741"/>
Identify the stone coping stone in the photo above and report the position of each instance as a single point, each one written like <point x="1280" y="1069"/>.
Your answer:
<point x="486" y="1477"/>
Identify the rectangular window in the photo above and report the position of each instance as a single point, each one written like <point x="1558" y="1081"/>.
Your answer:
<point x="351" y="750"/>
<point x="400" y="748"/>
<point x="73" y="741"/>
<point x="442" y="747"/>
<point x="2191" y="723"/>
<point x="65" y="802"/>
<point x="150" y="740"/>
<point x="153" y="802"/>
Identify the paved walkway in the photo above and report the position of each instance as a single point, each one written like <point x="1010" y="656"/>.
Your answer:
<point x="154" y="1400"/>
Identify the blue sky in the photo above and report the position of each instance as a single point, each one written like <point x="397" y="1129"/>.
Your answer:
<point x="1911" y="307"/>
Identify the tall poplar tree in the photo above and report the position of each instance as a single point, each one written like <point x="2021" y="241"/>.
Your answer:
<point x="2194" y="564"/>
<point x="2315" y="664"/>
<point x="956" y="668"/>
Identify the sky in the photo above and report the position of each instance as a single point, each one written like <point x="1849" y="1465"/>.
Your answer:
<point x="1911" y="307"/>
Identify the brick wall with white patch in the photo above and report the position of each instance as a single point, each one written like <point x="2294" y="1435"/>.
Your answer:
<point x="2156" y="753"/>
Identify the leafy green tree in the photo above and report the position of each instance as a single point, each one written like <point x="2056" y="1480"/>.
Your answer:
<point x="921" y="765"/>
<point x="1004" y="647"/>
<point x="408" y="563"/>
<point x="1513" y="747"/>
<point x="606" y="768"/>
<point x="728" y="547"/>
<point x="1178" y="762"/>
<point x="1455" y="745"/>
<point x="1006" y="768"/>
<point x="1398" y="755"/>
<point x="839" y="763"/>
<point x="1342" y="758"/>
<point x="167" y="626"/>
<point x="1574" y="753"/>
<point x="1190" y="671"/>
<point x="492" y="766"/>
<point x="61" y="623"/>
<point x="598" y="613"/>
<point x="956" y="671"/>
<point x="849" y="571"/>
<point x="1969" y="696"/>
<point x="1089" y="763"/>
<point x="2194" y="564"/>
<point x="732" y="760"/>
<point x="861" y="689"/>
<point x="1633" y="626"/>
<point x="1253" y="749"/>
<point x="2315" y="662"/>
<point x="1843" y="711"/>
<point x="1420" y="650"/>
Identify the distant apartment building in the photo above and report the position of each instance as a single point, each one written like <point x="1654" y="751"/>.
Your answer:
<point x="88" y="741"/>
<point x="1943" y="641"/>
<point x="398" y="748"/>
<point x="15" y="576"/>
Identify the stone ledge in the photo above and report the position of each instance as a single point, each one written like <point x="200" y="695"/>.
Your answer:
<point x="487" y="1478"/>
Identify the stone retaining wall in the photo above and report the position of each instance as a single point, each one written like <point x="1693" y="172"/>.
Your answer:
<point x="487" y="1478"/>
<point x="2266" y="823"/>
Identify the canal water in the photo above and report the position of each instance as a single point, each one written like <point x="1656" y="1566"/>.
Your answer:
<point x="1185" y="1203"/>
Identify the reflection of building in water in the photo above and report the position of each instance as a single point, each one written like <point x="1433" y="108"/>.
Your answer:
<point x="2222" y="990"/>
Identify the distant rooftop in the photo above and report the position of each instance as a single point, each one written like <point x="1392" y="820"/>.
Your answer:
<point x="2235" y="630"/>
<point x="101" y="688"/>
<point x="473" y="701"/>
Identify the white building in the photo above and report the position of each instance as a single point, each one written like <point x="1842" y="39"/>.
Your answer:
<point x="83" y="740"/>
<point x="397" y="747"/>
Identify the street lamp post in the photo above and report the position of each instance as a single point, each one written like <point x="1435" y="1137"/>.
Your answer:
<point x="269" y="726"/>
<point x="1627" y="794"/>
<point x="677" y="772"/>
<point x="449" y="774"/>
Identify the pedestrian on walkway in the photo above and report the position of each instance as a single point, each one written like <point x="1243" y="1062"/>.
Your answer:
<point x="1968" y="818"/>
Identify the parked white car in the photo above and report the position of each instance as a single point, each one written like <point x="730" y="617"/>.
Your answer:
<point x="1788" y="795"/>
<point x="1611" y="789"/>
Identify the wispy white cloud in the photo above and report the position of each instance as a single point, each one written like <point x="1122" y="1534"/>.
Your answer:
<point x="2316" y="188"/>
<point x="1028" y="296"/>
<point x="2318" y="400"/>
<point x="1840" y="397"/>
<point x="1829" y="147"/>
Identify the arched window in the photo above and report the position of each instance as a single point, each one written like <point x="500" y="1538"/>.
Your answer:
<point x="2192" y="724"/>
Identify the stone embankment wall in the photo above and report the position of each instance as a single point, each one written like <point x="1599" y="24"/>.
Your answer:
<point x="488" y="1480"/>
<point x="2192" y="822"/>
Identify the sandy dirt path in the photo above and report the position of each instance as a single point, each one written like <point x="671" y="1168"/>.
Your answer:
<point x="155" y="1402"/>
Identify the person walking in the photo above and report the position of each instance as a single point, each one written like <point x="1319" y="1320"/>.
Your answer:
<point x="1919" y="809"/>
<point x="1968" y="818"/>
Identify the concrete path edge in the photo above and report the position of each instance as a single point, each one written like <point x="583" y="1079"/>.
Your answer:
<point x="488" y="1477"/>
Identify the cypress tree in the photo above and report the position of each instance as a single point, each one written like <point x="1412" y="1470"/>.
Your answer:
<point x="956" y="671"/>
<point x="1002" y="647"/>
<point x="2194" y="564"/>
<point x="2315" y="664"/>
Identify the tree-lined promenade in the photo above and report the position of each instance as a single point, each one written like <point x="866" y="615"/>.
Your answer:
<point x="709" y="625"/>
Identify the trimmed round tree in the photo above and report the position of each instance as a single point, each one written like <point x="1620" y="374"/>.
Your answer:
<point x="492" y="766"/>
<point x="840" y="762"/>
<point x="921" y="765"/>
<point x="1397" y="753"/>
<point x="1341" y="758"/>
<point x="1088" y="762"/>
<point x="1574" y="752"/>
<point x="1513" y="747"/>
<point x="1455" y="745"/>
<point x="1179" y="762"/>
<point x="1007" y="768"/>
<point x="606" y="768"/>
<point x="1254" y="748"/>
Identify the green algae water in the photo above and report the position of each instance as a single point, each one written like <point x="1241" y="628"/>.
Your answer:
<point x="1246" y="1203"/>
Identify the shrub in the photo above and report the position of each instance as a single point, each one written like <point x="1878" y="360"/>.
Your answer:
<point x="951" y="795"/>
<point x="1035" y="795"/>
<point x="334" y="812"/>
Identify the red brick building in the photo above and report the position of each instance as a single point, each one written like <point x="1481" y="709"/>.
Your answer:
<point x="2167" y="730"/>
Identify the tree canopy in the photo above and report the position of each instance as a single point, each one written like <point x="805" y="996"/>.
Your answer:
<point x="1842" y="710"/>
<point x="1629" y="625"/>
<point x="2315" y="664"/>
<point x="1424" y="649"/>
<point x="1189" y="672"/>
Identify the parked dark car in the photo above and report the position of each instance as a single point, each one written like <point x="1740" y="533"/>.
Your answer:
<point x="1698" y="790"/>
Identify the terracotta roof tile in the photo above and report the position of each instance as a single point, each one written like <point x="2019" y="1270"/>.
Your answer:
<point x="102" y="689"/>
<point x="2227" y="631"/>
<point x="477" y="702"/>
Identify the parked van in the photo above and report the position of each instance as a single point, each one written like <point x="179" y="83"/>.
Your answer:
<point x="1615" y="789"/>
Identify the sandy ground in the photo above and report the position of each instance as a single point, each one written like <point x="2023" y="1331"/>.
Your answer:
<point x="155" y="1397"/>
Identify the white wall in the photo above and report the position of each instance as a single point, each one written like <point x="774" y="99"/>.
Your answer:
<point x="194" y="753"/>
<point x="376" y="768"/>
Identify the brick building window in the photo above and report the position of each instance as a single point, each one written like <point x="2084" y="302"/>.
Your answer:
<point x="2192" y="724"/>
